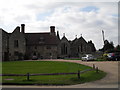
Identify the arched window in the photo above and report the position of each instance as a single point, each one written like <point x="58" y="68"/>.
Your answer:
<point x="78" y="49"/>
<point x="16" y="45"/>
<point x="81" y="48"/>
<point x="64" y="49"/>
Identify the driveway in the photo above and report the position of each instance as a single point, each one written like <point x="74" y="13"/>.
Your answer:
<point x="110" y="81"/>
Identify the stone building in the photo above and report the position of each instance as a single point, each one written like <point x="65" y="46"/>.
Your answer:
<point x="5" y="45"/>
<point x="42" y="45"/>
<point x="19" y="45"/>
<point x="64" y="47"/>
<point x="79" y="46"/>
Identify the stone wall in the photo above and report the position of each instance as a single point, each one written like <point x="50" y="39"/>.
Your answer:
<point x="42" y="51"/>
<point x="0" y="44"/>
<point x="5" y="53"/>
<point x="21" y="49"/>
<point x="50" y="51"/>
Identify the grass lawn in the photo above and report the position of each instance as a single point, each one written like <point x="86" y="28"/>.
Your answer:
<point x="24" y="67"/>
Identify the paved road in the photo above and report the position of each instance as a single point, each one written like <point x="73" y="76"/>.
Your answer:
<point x="110" y="81"/>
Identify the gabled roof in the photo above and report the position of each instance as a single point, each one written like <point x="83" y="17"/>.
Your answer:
<point x="78" y="40"/>
<point x="82" y="39"/>
<point x="74" y="40"/>
<point x="41" y="39"/>
<point x="64" y="38"/>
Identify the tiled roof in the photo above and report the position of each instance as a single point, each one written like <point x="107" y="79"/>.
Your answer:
<point x="41" y="39"/>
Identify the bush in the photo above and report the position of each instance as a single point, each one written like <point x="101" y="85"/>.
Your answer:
<point x="102" y="58"/>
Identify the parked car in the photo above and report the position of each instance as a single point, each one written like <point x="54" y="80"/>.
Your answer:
<point x="113" y="56"/>
<point x="34" y="58"/>
<point x="88" y="57"/>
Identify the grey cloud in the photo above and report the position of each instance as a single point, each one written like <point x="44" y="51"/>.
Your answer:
<point x="24" y="18"/>
<point x="73" y="21"/>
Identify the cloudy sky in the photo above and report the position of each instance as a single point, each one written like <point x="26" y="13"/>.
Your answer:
<point x="70" y="17"/>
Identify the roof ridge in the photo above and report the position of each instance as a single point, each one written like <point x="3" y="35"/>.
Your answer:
<point x="39" y="33"/>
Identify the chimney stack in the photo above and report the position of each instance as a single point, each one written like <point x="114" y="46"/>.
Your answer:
<point x="52" y="30"/>
<point x="23" y="28"/>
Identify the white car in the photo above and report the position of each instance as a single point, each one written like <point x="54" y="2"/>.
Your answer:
<point x="34" y="58"/>
<point x="87" y="57"/>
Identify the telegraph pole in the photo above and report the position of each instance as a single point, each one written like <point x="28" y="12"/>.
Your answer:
<point x="103" y="37"/>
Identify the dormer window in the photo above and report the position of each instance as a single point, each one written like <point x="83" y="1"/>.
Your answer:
<point x="41" y="40"/>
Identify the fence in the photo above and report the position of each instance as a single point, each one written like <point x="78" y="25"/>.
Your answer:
<point x="78" y="73"/>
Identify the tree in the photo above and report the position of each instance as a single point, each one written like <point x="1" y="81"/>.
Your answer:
<point x="107" y="47"/>
<point x="117" y="48"/>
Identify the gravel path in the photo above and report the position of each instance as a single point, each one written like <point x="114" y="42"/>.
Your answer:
<point x="110" y="81"/>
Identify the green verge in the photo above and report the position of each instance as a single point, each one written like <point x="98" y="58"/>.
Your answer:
<point x="23" y="67"/>
<point x="88" y="60"/>
<point x="0" y="70"/>
<point x="72" y="59"/>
